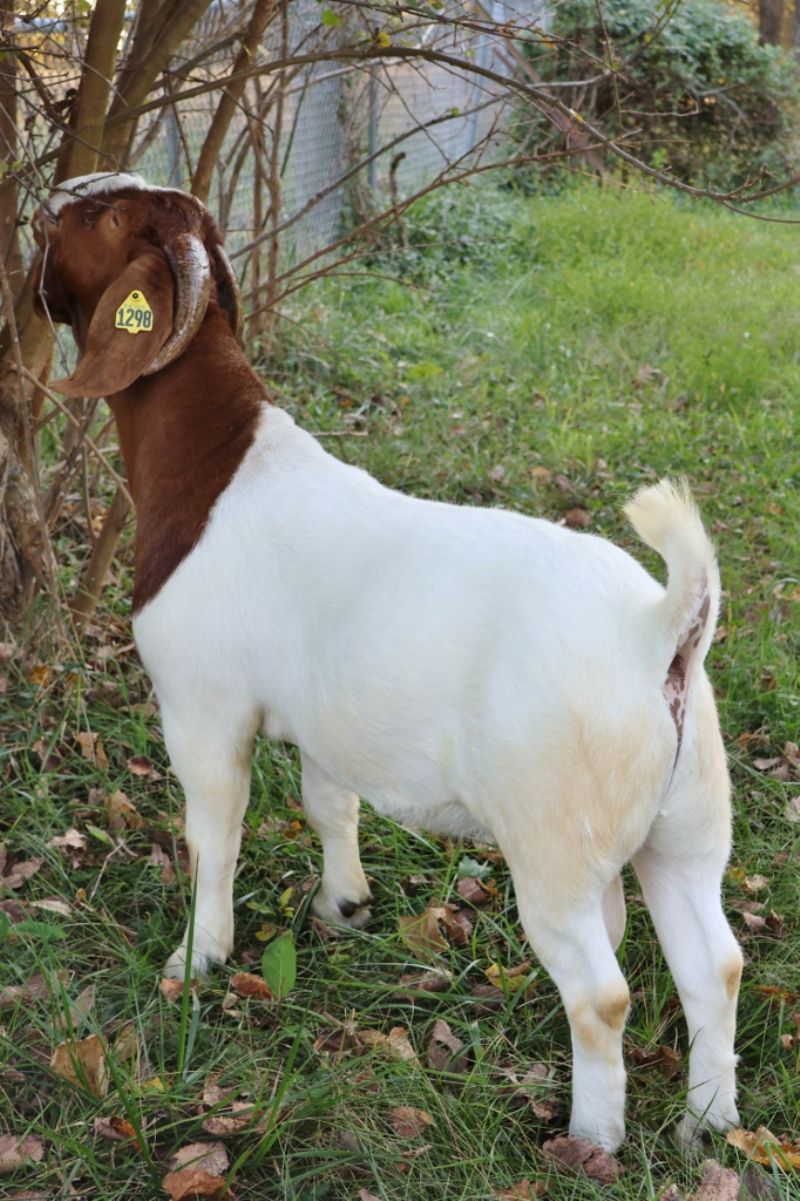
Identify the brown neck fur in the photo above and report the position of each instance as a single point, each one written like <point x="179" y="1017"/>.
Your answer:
<point x="183" y="434"/>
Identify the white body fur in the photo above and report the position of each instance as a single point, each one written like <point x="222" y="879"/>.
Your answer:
<point x="469" y="671"/>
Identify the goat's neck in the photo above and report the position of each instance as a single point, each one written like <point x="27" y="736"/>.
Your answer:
<point x="183" y="434"/>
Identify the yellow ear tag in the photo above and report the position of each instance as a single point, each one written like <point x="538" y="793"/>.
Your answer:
<point x="134" y="314"/>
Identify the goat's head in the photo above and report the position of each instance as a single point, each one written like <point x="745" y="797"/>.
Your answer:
<point x="131" y="269"/>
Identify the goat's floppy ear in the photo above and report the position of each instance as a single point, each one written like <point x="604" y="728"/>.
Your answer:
<point x="131" y="323"/>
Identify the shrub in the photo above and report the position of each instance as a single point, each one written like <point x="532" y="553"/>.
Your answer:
<point x="696" y="91"/>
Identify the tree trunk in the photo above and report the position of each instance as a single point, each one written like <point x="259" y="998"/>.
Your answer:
<point x="770" y="20"/>
<point x="9" y="235"/>
<point x="201" y="180"/>
<point x="26" y="340"/>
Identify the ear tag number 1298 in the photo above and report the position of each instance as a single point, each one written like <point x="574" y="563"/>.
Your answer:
<point x="134" y="314"/>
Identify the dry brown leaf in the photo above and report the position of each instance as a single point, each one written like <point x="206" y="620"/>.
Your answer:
<point x="758" y="1185"/>
<point x="754" y="922"/>
<point x="73" y="840"/>
<point x="579" y="1155"/>
<point x="421" y="934"/>
<point x="240" y="1116"/>
<point x="763" y="1147"/>
<point x="524" y="1190"/>
<point x="434" y="980"/>
<point x="194" y="1182"/>
<point x="578" y="518"/>
<point x="395" y="1044"/>
<point x="122" y="814"/>
<point x="457" y="923"/>
<point x="83" y="1063"/>
<point x="444" y="1049"/>
<point x="470" y="889"/>
<point x="34" y="989"/>
<point x="363" y="1195"/>
<point x="18" y="873"/>
<point x="756" y="883"/>
<point x="248" y="985"/>
<point x="213" y="1157"/>
<point x="139" y="766"/>
<point x="126" y="1044"/>
<point x="52" y="905"/>
<point x="718" y="1183"/>
<point x="92" y="748"/>
<point x="15" y="1152"/>
<point x="171" y="990"/>
<point x="115" y="1129"/>
<point x="668" y="1061"/>
<point x="339" y="1041"/>
<point x="408" y="1122"/>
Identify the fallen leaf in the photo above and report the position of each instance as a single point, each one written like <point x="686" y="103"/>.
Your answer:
<point x="34" y="989"/>
<point x="339" y="1041"/>
<point x="240" y="1116"/>
<point x="524" y="1190"/>
<point x="139" y="766"/>
<point x="126" y="1044"/>
<point x="577" y="518"/>
<point x="444" y="1049"/>
<point x="395" y="1044"/>
<point x="718" y="1183"/>
<point x="92" y="748"/>
<point x="171" y="990"/>
<point x="83" y="1064"/>
<point x="472" y="890"/>
<point x="212" y="1157"/>
<point x="758" y="1185"/>
<point x="579" y="1155"/>
<point x="15" y="1152"/>
<point x="194" y="1182"/>
<point x="408" y="1122"/>
<point x="248" y="985"/>
<point x="433" y="980"/>
<point x="668" y="1061"/>
<point x="456" y="922"/>
<point x="73" y="840"/>
<point x="160" y="858"/>
<point x="18" y="873"/>
<point x="754" y="922"/>
<point x="509" y="978"/>
<point x="763" y="1147"/>
<point x="793" y="809"/>
<point x="122" y="814"/>
<point x="421" y="934"/>
<point x="115" y="1129"/>
<point x="52" y="905"/>
<point x="756" y="883"/>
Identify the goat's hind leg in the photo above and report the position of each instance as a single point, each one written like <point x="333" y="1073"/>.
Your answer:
<point x="680" y="870"/>
<point x="344" y="894"/>
<point x="212" y="762"/>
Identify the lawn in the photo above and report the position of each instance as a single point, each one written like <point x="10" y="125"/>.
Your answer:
<point x="544" y="353"/>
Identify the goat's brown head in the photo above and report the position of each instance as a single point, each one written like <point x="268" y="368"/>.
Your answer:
<point x="131" y="269"/>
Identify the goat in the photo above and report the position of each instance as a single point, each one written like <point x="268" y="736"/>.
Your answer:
<point x="470" y="670"/>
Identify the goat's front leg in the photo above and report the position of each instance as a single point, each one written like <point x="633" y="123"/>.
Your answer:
<point x="344" y="894"/>
<point x="573" y="943"/>
<point x="212" y="762"/>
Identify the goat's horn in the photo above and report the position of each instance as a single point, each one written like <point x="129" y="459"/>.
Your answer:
<point x="188" y="260"/>
<point x="229" y="291"/>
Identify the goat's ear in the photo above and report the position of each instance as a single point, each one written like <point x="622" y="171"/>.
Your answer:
<point x="131" y="323"/>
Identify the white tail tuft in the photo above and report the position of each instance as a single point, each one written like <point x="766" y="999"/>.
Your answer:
<point x="666" y="518"/>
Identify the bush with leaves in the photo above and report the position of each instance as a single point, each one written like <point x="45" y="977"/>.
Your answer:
<point x="689" y="85"/>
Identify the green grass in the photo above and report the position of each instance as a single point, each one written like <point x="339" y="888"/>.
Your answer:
<point x="605" y="337"/>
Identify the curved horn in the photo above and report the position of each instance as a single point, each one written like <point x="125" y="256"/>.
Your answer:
<point x="188" y="260"/>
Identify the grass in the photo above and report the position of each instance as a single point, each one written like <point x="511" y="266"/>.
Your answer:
<point x="545" y="354"/>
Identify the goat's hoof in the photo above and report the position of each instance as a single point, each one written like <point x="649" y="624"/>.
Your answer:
<point x="202" y="963"/>
<point x="342" y="911"/>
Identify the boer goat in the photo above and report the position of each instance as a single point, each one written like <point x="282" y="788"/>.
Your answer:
<point x="472" y="671"/>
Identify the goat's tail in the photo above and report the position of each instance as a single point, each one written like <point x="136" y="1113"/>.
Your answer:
<point x="666" y="518"/>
